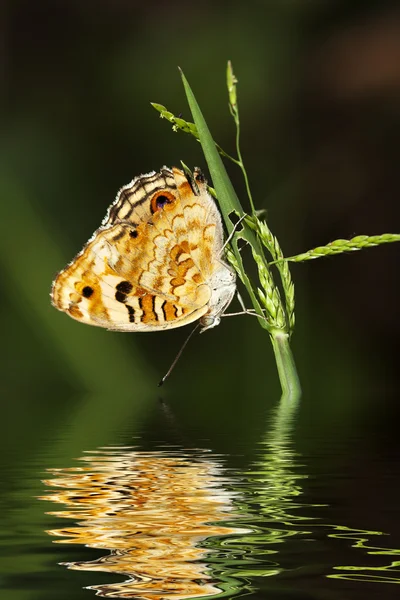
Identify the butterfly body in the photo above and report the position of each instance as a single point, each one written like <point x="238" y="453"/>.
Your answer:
<point x="155" y="263"/>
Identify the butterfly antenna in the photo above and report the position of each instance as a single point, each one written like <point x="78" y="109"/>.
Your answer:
<point x="177" y="357"/>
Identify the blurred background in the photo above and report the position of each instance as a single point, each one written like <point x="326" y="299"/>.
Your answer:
<point x="319" y="97"/>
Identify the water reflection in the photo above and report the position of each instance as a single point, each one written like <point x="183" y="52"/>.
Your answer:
<point x="151" y="510"/>
<point x="359" y="538"/>
<point x="169" y="518"/>
<point x="267" y="501"/>
<point x="178" y="523"/>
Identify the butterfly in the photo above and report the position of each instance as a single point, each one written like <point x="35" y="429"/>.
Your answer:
<point x="155" y="262"/>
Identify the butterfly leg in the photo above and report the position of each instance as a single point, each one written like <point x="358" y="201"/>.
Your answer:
<point x="240" y="300"/>
<point x="244" y="311"/>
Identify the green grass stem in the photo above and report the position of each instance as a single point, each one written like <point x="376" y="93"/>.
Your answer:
<point x="229" y="203"/>
<point x="273" y="305"/>
<point x="286" y="365"/>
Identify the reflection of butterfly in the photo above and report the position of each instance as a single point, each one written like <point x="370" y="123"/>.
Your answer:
<point x="155" y="262"/>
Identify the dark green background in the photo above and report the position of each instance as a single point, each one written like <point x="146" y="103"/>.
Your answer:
<point x="319" y="92"/>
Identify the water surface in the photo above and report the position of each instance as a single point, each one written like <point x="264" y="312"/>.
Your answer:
<point x="163" y="511"/>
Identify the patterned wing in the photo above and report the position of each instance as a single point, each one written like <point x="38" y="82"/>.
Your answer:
<point x="148" y="266"/>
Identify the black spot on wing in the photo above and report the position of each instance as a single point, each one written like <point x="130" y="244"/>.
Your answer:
<point x="120" y="297"/>
<point x="124" y="286"/>
<point x="87" y="291"/>
<point x="123" y="289"/>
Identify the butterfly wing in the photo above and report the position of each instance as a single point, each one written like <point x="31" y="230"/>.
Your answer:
<point x="147" y="267"/>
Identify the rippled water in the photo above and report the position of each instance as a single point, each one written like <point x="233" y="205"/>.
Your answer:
<point x="159" y="518"/>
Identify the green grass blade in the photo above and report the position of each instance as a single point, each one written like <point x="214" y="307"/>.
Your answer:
<point x="227" y="198"/>
<point x="229" y="203"/>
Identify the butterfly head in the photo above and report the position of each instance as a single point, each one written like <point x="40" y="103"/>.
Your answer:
<point x="223" y="287"/>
